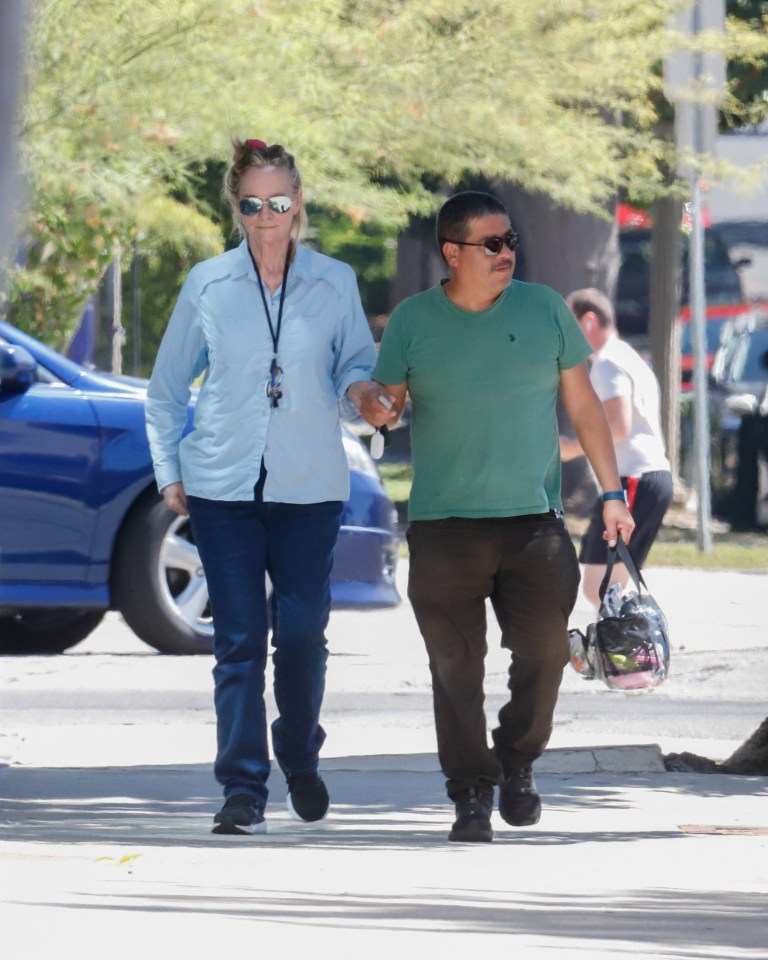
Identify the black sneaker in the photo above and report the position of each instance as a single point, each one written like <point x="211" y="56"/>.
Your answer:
<point x="308" y="798"/>
<point x="519" y="803"/>
<point x="240" y="814"/>
<point x="473" y="815"/>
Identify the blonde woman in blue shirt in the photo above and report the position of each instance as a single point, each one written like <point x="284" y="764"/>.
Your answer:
<point x="280" y="334"/>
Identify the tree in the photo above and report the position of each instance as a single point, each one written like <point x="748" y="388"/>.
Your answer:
<point x="384" y="102"/>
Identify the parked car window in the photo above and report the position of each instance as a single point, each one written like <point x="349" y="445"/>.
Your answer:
<point x="749" y="361"/>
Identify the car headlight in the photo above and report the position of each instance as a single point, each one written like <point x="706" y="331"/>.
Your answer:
<point x="358" y="457"/>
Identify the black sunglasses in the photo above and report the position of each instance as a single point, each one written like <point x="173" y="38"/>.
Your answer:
<point x="492" y="246"/>
<point x="250" y="206"/>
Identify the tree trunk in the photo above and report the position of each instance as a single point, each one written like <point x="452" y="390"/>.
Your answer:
<point x="561" y="248"/>
<point x="419" y="264"/>
<point x="751" y="758"/>
<point x="663" y="328"/>
<point x="558" y="247"/>
<point x="752" y="755"/>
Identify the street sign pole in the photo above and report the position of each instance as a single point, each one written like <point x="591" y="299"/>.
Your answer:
<point x="701" y="440"/>
<point x="695" y="82"/>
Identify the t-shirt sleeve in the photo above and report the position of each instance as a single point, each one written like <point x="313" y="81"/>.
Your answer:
<point x="609" y="380"/>
<point x="392" y="364"/>
<point x="574" y="346"/>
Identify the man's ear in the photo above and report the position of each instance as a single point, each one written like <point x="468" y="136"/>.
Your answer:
<point x="449" y="251"/>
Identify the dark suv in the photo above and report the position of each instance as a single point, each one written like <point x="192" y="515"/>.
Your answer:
<point x="739" y="394"/>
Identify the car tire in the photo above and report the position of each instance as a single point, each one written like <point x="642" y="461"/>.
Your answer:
<point x="158" y="583"/>
<point x="45" y="631"/>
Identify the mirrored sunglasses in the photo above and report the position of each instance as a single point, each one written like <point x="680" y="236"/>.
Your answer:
<point x="250" y="206"/>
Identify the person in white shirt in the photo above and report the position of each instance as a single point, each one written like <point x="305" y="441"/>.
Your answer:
<point x="629" y="392"/>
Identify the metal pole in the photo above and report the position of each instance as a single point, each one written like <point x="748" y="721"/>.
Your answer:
<point x="701" y="406"/>
<point x="698" y="328"/>
<point x="118" y="331"/>
<point x="136" y="309"/>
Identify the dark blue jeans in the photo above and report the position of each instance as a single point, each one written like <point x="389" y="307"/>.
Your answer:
<point x="240" y="542"/>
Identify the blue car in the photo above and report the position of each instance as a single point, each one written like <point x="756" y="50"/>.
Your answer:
<point x="83" y="529"/>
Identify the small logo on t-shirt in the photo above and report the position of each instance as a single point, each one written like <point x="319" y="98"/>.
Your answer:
<point x="512" y="338"/>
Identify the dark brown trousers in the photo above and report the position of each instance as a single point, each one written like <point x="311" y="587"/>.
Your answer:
<point x="528" y="569"/>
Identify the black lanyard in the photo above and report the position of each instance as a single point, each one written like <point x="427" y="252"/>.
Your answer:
<point x="274" y="332"/>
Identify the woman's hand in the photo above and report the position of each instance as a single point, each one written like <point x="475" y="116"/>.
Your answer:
<point x="374" y="403"/>
<point x="175" y="498"/>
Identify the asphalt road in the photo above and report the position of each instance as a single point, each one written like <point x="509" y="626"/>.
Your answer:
<point x="715" y="691"/>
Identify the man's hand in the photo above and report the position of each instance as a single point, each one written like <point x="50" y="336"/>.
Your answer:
<point x="373" y="402"/>
<point x="175" y="498"/>
<point x="618" y="522"/>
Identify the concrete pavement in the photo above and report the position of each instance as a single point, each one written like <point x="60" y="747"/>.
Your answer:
<point x="105" y="849"/>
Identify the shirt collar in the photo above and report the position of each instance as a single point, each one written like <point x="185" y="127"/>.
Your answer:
<point x="302" y="267"/>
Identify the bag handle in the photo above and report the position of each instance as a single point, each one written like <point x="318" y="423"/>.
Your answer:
<point x="621" y="550"/>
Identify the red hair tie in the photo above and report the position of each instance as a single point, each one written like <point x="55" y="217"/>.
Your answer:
<point x="256" y="144"/>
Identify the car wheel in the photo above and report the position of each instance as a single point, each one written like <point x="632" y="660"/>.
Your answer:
<point x="158" y="583"/>
<point x="46" y="631"/>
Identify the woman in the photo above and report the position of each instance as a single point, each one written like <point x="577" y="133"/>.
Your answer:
<point x="281" y="336"/>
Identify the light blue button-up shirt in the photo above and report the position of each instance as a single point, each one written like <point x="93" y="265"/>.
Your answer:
<point x="219" y="327"/>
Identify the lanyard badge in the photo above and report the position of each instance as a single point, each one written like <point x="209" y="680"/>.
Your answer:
<point x="273" y="386"/>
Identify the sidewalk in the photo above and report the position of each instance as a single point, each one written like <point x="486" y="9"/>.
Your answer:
<point x="117" y="861"/>
<point x="106" y="850"/>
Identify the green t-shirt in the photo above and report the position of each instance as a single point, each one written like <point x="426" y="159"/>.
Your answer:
<point x="483" y="386"/>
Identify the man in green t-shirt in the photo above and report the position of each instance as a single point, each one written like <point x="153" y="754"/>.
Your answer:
<point x="483" y="357"/>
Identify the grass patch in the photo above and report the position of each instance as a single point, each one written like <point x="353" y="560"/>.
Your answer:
<point x="397" y="479"/>
<point x="723" y="556"/>
<point x="674" y="547"/>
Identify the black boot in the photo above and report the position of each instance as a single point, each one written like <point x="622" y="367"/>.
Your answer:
<point x="473" y="815"/>
<point x="519" y="803"/>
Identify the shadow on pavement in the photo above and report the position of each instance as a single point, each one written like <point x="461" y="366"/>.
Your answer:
<point x="386" y="808"/>
<point x="700" y="924"/>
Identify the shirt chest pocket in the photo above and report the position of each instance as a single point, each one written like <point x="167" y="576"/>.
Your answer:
<point x="309" y="339"/>
<point x="236" y="343"/>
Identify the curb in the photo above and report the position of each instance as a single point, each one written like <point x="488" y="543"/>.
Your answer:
<point x="628" y="759"/>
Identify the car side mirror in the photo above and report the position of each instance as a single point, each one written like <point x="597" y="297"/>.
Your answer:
<point x="742" y="404"/>
<point x="18" y="369"/>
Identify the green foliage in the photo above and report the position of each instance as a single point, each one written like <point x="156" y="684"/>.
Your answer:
<point x="747" y="68"/>
<point x="397" y="479"/>
<point x="369" y="247"/>
<point x="69" y="243"/>
<point x="383" y="102"/>
<point x="170" y="238"/>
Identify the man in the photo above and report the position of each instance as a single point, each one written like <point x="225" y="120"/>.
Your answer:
<point x="482" y="357"/>
<point x="630" y="396"/>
